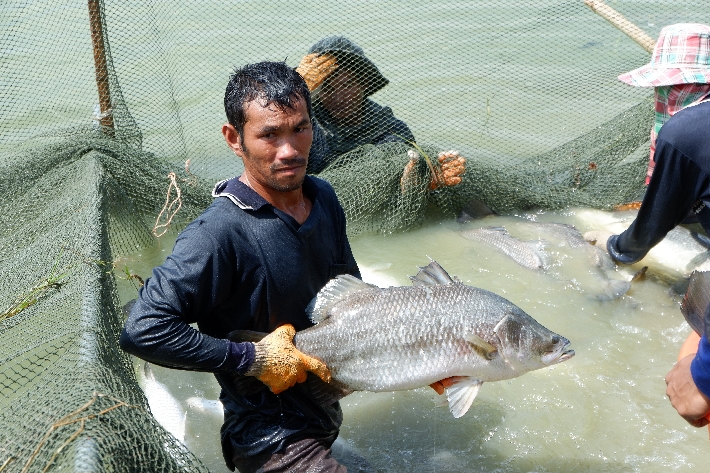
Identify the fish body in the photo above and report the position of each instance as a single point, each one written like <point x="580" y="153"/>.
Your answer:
<point x="573" y="238"/>
<point x="683" y="250"/>
<point x="528" y="254"/>
<point x="164" y="407"/>
<point x="696" y="301"/>
<point x="400" y="338"/>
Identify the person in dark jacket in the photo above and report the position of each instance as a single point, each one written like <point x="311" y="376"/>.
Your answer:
<point x="342" y="79"/>
<point x="272" y="238"/>
<point x="679" y="182"/>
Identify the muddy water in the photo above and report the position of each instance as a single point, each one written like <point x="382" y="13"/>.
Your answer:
<point x="603" y="410"/>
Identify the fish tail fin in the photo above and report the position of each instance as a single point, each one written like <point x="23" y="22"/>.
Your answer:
<point x="696" y="300"/>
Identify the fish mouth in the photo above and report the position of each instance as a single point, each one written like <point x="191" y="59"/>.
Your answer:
<point x="566" y="355"/>
<point x="558" y="356"/>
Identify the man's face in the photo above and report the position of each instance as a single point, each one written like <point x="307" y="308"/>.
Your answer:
<point x="342" y="95"/>
<point x="275" y="144"/>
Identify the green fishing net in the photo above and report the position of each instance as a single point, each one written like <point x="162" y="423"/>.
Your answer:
<point x="110" y="117"/>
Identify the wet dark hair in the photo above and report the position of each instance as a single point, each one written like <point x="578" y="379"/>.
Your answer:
<point x="270" y="83"/>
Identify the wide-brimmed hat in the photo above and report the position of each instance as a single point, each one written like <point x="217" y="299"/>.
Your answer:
<point x="681" y="56"/>
<point x="351" y="56"/>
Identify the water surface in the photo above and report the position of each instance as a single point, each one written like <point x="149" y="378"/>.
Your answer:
<point x="603" y="410"/>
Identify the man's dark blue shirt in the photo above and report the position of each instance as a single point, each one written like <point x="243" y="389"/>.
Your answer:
<point x="244" y="265"/>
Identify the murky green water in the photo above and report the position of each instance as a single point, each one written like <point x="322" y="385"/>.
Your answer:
<point x="473" y="86"/>
<point x="603" y="410"/>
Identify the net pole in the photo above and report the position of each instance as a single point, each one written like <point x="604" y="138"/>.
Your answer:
<point x="101" y="66"/>
<point x="619" y="21"/>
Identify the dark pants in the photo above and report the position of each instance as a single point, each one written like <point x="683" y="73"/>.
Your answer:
<point x="304" y="455"/>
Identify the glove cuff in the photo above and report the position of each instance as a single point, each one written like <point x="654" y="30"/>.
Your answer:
<point x="260" y="361"/>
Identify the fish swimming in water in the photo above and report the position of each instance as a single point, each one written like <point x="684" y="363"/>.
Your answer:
<point x="681" y="251"/>
<point x="605" y="285"/>
<point x="528" y="254"/>
<point x="400" y="338"/>
<point x="164" y="407"/>
<point x="574" y="239"/>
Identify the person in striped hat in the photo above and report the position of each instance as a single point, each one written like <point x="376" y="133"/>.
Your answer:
<point x="678" y="181"/>
<point x="679" y="73"/>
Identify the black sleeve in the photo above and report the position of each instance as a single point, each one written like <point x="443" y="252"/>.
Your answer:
<point x="676" y="184"/>
<point x="181" y="290"/>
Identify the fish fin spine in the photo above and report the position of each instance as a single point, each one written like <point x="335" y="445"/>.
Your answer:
<point x="335" y="290"/>
<point x="431" y="275"/>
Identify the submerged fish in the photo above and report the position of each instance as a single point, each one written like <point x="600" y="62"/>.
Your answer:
<point x="606" y="286"/>
<point x="164" y="407"/>
<point x="528" y="254"/>
<point x="681" y="251"/>
<point x="401" y="338"/>
<point x="574" y="239"/>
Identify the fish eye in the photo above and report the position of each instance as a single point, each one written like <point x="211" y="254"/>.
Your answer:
<point x="555" y="339"/>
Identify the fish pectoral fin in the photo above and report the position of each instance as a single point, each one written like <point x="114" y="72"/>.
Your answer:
<point x="461" y="394"/>
<point x="481" y="346"/>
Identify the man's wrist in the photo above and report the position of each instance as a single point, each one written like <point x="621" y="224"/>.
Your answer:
<point x="240" y="357"/>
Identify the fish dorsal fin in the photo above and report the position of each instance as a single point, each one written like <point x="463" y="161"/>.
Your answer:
<point x="431" y="275"/>
<point x="336" y="289"/>
<point x="461" y="394"/>
<point x="497" y="229"/>
<point x="481" y="346"/>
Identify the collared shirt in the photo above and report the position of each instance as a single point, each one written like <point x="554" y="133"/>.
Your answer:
<point x="244" y="265"/>
<point x="668" y="101"/>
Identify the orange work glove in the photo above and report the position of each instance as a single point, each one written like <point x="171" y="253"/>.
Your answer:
<point x="315" y="68"/>
<point x="279" y="365"/>
<point x="451" y="167"/>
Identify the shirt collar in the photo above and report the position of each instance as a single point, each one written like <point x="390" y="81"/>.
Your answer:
<point x="247" y="198"/>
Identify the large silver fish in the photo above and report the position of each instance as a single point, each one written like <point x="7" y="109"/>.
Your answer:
<point x="528" y="254"/>
<point x="400" y="338"/>
<point x="607" y="287"/>
<point x="681" y="251"/>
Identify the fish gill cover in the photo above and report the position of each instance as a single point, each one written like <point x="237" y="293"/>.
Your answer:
<point x="109" y="135"/>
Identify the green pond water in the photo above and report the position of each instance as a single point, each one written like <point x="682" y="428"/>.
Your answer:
<point x="603" y="410"/>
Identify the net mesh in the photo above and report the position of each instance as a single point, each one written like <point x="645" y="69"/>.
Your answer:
<point x="101" y="103"/>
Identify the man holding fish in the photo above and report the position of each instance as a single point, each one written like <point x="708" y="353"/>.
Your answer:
<point x="679" y="180"/>
<point x="253" y="260"/>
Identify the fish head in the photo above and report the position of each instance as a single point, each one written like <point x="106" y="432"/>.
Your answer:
<point x="526" y="345"/>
